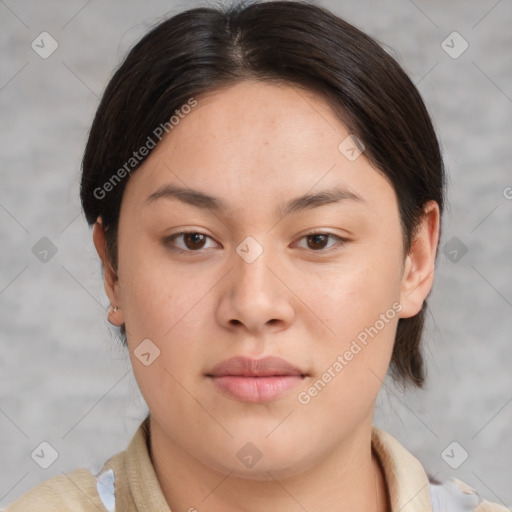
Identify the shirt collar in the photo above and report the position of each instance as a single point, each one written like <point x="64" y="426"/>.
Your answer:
<point x="406" y="480"/>
<point x="144" y="485"/>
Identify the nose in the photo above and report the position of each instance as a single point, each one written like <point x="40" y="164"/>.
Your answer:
<point x="256" y="296"/>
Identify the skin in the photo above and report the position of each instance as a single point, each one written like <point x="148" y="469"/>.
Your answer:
<point x="256" y="145"/>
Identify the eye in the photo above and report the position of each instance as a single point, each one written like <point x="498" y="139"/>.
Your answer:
<point x="195" y="241"/>
<point x="192" y="241"/>
<point x="317" y="241"/>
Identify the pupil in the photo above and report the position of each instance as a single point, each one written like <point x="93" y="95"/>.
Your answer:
<point x="196" y="240"/>
<point x="318" y="239"/>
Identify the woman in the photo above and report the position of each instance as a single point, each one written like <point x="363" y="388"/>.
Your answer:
<point x="265" y="189"/>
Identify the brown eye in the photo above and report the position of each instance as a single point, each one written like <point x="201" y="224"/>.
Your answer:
<point x="194" y="240"/>
<point x="319" y="242"/>
<point x="190" y="241"/>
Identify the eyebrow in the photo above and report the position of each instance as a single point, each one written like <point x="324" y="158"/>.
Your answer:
<point x="203" y="200"/>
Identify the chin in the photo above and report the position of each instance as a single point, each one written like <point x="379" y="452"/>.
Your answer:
<point x="263" y="461"/>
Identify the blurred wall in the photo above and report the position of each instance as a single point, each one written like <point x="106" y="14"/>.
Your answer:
<point x="64" y="378"/>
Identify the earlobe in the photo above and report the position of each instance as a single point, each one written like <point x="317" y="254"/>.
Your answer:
<point x="418" y="275"/>
<point x="109" y="274"/>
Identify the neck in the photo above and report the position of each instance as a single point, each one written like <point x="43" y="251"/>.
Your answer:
<point x="350" y="478"/>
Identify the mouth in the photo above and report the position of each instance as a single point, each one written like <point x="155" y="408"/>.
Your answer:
<point x="255" y="380"/>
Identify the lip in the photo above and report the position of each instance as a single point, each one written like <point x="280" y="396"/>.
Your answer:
<point x="255" y="380"/>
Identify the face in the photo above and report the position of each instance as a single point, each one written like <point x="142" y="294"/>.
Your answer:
<point x="271" y="321"/>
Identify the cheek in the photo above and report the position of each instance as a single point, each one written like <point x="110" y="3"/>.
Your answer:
<point x="354" y="296"/>
<point x="167" y="310"/>
<point x="153" y="294"/>
<point x="360" y="305"/>
<point x="170" y="306"/>
<point x="352" y="366"/>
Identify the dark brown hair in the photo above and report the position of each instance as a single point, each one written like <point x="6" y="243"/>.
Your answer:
<point x="202" y="50"/>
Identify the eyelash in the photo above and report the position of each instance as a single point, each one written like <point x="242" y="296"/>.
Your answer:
<point x="170" y="240"/>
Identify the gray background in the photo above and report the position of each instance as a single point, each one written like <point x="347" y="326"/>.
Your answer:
<point x="65" y="379"/>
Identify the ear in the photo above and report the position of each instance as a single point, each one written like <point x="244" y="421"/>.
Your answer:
<point x="110" y="278"/>
<point x="419" y="264"/>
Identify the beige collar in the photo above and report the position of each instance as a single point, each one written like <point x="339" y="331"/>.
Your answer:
<point x="144" y="485"/>
<point x="406" y="480"/>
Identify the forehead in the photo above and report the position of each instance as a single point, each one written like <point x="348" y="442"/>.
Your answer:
<point x="257" y="141"/>
<point x="257" y="125"/>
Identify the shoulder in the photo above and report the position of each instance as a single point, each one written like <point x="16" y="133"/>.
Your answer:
<point x="74" y="492"/>
<point x="454" y="495"/>
<point x="412" y="489"/>
<point x="95" y="490"/>
<point x="78" y="491"/>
